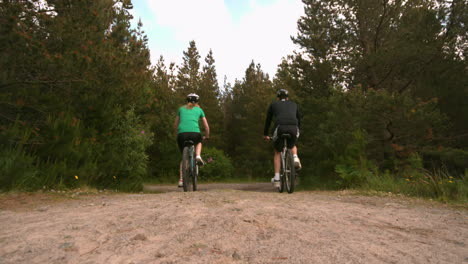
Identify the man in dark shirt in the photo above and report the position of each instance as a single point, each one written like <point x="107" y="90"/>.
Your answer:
<point x="287" y="121"/>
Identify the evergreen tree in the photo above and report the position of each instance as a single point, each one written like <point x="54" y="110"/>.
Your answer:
<point x="79" y="79"/>
<point x="399" y="47"/>
<point x="188" y="77"/>
<point x="248" y="107"/>
<point x="163" y="154"/>
<point x="210" y="94"/>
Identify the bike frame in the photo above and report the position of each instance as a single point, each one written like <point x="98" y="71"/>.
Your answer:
<point x="287" y="181"/>
<point x="192" y="160"/>
<point x="283" y="153"/>
<point x="192" y="167"/>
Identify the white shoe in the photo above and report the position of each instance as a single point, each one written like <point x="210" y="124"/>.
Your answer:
<point x="297" y="163"/>
<point x="200" y="162"/>
<point x="276" y="183"/>
<point x="181" y="183"/>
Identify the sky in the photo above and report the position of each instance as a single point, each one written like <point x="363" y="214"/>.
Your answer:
<point x="237" y="31"/>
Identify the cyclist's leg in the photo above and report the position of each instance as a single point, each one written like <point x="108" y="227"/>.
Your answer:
<point x="198" y="149"/>
<point x="277" y="145"/>
<point x="277" y="163"/>
<point x="180" y="142"/>
<point x="294" y="132"/>
<point x="294" y="150"/>
<point x="197" y="138"/>
<point x="181" y="181"/>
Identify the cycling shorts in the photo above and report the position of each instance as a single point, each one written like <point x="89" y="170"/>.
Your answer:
<point x="182" y="137"/>
<point x="285" y="129"/>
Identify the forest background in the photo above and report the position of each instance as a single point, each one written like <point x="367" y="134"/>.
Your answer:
<point x="382" y="87"/>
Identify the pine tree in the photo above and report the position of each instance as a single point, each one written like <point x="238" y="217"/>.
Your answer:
<point x="248" y="107"/>
<point x="210" y="94"/>
<point x="188" y="77"/>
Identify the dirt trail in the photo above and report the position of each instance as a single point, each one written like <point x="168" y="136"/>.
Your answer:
<point x="229" y="223"/>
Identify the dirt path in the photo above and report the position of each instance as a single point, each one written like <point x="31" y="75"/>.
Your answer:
<point x="229" y="224"/>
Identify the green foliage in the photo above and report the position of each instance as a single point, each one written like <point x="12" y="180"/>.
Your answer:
<point x="17" y="170"/>
<point x="123" y="157"/>
<point x="246" y="106"/>
<point x="209" y="93"/>
<point x="69" y="78"/>
<point x="382" y="89"/>
<point x="437" y="184"/>
<point x="218" y="166"/>
<point x="353" y="167"/>
<point x="455" y="161"/>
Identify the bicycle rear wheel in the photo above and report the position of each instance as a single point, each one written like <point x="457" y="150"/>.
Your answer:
<point x="186" y="171"/>
<point x="195" y="177"/>
<point x="289" y="172"/>
<point x="282" y="187"/>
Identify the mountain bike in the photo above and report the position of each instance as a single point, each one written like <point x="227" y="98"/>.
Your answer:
<point x="189" y="167"/>
<point x="288" y="170"/>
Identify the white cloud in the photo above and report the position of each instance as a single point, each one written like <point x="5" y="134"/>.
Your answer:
<point x="262" y="33"/>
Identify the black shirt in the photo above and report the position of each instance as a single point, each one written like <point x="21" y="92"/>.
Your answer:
<point x="285" y="113"/>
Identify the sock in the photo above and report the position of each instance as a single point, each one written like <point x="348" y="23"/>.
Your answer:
<point x="295" y="156"/>
<point x="198" y="157"/>
<point x="277" y="177"/>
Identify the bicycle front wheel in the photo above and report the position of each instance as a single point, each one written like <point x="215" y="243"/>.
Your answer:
<point x="186" y="171"/>
<point x="289" y="172"/>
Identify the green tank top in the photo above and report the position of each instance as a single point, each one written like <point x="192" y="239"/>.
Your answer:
<point x="188" y="119"/>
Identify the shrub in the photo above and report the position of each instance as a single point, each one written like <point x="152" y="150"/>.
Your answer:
<point x="353" y="167"/>
<point x="17" y="170"/>
<point x="123" y="160"/>
<point x="454" y="160"/>
<point x="217" y="167"/>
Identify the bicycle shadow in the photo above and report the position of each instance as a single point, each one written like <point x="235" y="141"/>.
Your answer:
<point x="206" y="187"/>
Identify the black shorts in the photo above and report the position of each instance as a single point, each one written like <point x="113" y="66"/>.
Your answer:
<point x="291" y="142"/>
<point x="182" y="137"/>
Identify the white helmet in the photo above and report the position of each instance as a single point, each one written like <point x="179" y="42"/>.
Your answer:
<point x="193" y="98"/>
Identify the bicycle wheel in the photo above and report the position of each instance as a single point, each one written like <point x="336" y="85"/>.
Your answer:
<point x="289" y="172"/>
<point x="281" y="187"/>
<point x="195" y="177"/>
<point x="186" y="172"/>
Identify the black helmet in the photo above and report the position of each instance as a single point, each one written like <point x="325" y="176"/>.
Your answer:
<point x="193" y="98"/>
<point x="282" y="93"/>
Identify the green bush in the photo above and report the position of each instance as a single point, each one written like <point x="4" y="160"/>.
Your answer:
<point x="17" y="170"/>
<point x="123" y="160"/>
<point x="353" y="167"/>
<point x="417" y="181"/>
<point x="454" y="160"/>
<point x="217" y="167"/>
<point x="62" y="153"/>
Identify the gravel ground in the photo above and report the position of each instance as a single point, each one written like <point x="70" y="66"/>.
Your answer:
<point x="229" y="223"/>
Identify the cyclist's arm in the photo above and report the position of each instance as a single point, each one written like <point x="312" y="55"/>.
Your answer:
<point x="207" y="127"/>
<point x="176" y="124"/>
<point x="268" y="121"/>
<point x="298" y="116"/>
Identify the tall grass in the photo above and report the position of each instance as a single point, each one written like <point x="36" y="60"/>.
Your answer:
<point x="437" y="184"/>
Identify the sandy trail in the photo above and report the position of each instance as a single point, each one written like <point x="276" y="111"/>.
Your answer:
<point x="230" y="223"/>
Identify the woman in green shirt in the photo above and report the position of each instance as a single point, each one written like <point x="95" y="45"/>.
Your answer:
<point x="187" y="128"/>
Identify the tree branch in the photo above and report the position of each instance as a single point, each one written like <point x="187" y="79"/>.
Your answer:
<point x="38" y="82"/>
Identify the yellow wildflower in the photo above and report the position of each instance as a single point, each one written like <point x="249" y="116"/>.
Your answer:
<point x="76" y="177"/>
<point x="451" y="181"/>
